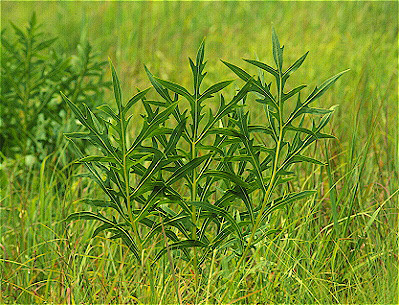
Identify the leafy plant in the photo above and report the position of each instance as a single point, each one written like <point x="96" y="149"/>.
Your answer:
<point x="33" y="73"/>
<point x="214" y="179"/>
<point x="274" y="168"/>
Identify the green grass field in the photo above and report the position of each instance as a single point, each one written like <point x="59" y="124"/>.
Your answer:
<point x="312" y="260"/>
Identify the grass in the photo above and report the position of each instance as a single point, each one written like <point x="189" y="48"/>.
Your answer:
<point x="317" y="257"/>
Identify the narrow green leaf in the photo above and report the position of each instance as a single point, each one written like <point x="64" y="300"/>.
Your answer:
<point x="100" y="203"/>
<point x="332" y="190"/>
<point x="225" y="131"/>
<point x="300" y="158"/>
<point x="151" y="126"/>
<point x="301" y="129"/>
<point x="74" y="109"/>
<point x="238" y="71"/>
<point x="283" y="201"/>
<point x="117" y="87"/>
<point x="277" y="51"/>
<point x="264" y="90"/>
<point x="138" y="96"/>
<point x="152" y="169"/>
<point x="316" y="111"/>
<point x="294" y="66"/>
<point x="214" y="89"/>
<point x="263" y="66"/>
<point x="129" y="241"/>
<point x="158" y="87"/>
<point x="225" y="232"/>
<point x="319" y="91"/>
<point x="77" y="135"/>
<point x="107" y="110"/>
<point x="226" y="176"/>
<point x="186" y="169"/>
<point x="175" y="136"/>
<point x="178" y="219"/>
<point x="123" y="233"/>
<point x="291" y="93"/>
<point x="264" y="233"/>
<point x="101" y="228"/>
<point x="44" y="44"/>
<point x="180" y="246"/>
<point x="176" y="88"/>
<point x="243" y="193"/>
<point x="98" y="159"/>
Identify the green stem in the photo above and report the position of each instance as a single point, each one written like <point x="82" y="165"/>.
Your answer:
<point x="194" y="213"/>
<point x="127" y="185"/>
<point x="267" y="193"/>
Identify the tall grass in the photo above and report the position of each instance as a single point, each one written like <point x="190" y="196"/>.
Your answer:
<point x="317" y="257"/>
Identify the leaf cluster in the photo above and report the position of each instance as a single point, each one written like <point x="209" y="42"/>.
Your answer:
<point x="195" y="177"/>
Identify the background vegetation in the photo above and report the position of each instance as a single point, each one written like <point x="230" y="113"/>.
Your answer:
<point x="310" y="260"/>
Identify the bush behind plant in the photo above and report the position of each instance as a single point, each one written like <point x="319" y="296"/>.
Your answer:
<point x="33" y="115"/>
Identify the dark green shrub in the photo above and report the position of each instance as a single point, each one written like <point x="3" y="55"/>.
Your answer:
<point x="33" y="116"/>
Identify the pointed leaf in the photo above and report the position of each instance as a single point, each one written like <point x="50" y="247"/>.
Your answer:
<point x="98" y="159"/>
<point x="291" y="93"/>
<point x="214" y="89"/>
<point x="238" y="71"/>
<point x="283" y="201"/>
<point x="294" y="66"/>
<point x="158" y="87"/>
<point x="101" y="228"/>
<point x="263" y="66"/>
<point x="319" y="91"/>
<point x="300" y="158"/>
<point x="180" y="245"/>
<point x="186" y="169"/>
<point x="277" y="51"/>
<point x="176" y="88"/>
<point x="117" y="87"/>
<point x="227" y="176"/>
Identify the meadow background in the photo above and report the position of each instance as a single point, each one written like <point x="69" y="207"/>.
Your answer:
<point x="310" y="261"/>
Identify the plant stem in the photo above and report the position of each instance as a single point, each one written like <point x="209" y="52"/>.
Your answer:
<point x="127" y="185"/>
<point x="267" y="193"/>
<point x="172" y="267"/>
<point x="193" y="212"/>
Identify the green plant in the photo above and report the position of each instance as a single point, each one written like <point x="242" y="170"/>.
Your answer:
<point x="32" y="74"/>
<point x="212" y="181"/>
<point x="285" y="149"/>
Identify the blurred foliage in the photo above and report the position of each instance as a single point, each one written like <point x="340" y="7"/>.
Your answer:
<point x="33" y="73"/>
